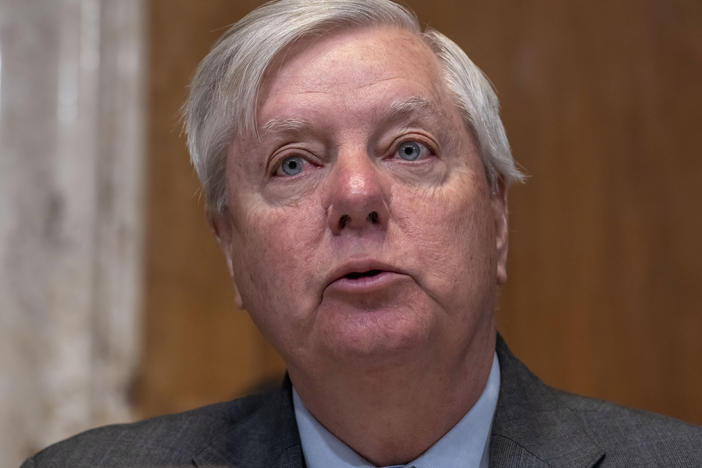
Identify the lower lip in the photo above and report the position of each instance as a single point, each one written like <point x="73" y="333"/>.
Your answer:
<point x="365" y="284"/>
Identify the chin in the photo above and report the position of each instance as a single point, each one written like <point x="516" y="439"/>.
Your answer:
<point x="376" y="338"/>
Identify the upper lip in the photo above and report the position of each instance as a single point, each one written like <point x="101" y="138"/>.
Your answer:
<point x="358" y="266"/>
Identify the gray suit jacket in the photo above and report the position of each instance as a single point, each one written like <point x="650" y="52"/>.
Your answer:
<point x="535" y="426"/>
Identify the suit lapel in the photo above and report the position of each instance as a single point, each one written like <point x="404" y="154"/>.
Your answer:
<point x="532" y="426"/>
<point x="267" y="438"/>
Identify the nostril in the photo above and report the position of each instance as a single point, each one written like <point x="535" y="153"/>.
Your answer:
<point x="343" y="221"/>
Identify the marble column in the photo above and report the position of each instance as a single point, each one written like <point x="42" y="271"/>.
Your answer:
<point x="71" y="209"/>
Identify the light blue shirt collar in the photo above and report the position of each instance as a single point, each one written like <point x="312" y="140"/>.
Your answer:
<point x="467" y="444"/>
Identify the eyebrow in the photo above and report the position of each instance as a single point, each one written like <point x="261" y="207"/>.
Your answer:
<point x="412" y="111"/>
<point x="291" y="125"/>
<point x="398" y="110"/>
<point x="413" y="105"/>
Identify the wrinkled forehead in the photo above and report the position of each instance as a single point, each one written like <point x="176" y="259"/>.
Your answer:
<point x="352" y="58"/>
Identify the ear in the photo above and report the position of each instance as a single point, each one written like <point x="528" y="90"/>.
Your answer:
<point x="500" y="211"/>
<point x="221" y="224"/>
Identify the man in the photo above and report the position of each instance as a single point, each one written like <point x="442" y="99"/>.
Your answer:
<point x="356" y="172"/>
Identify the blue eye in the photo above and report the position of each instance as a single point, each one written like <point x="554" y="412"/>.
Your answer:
<point x="291" y="166"/>
<point x="410" y="150"/>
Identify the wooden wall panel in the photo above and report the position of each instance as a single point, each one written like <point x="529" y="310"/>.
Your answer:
<point x="601" y="101"/>
<point x="198" y="348"/>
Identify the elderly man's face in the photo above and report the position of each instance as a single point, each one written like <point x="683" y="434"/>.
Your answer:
<point x="362" y="229"/>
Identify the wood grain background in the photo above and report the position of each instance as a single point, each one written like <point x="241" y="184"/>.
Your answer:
<point x="602" y="104"/>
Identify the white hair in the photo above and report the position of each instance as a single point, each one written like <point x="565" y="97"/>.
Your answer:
<point x="224" y="92"/>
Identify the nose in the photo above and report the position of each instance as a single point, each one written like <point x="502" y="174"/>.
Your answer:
<point x="357" y="200"/>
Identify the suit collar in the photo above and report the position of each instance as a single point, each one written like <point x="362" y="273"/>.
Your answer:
<point x="265" y="438"/>
<point x="533" y="426"/>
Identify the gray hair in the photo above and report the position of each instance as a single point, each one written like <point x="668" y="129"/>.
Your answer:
<point x="224" y="92"/>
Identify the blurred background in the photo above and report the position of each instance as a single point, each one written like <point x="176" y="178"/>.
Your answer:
<point x="115" y="303"/>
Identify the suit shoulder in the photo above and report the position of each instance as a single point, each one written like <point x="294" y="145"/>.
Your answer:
<point x="626" y="433"/>
<point x="170" y="440"/>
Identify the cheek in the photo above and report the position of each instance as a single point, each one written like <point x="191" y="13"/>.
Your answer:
<point x="274" y="258"/>
<point x="453" y="231"/>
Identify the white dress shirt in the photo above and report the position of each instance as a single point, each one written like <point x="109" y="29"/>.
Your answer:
<point x="467" y="444"/>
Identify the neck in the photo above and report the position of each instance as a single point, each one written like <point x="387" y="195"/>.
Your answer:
<point x="392" y="415"/>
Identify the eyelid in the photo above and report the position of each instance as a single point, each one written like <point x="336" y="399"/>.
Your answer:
<point x="428" y="143"/>
<point x="279" y="172"/>
<point x="276" y="160"/>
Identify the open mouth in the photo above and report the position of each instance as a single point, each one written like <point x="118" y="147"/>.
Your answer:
<point x="354" y="275"/>
<point x="363" y="279"/>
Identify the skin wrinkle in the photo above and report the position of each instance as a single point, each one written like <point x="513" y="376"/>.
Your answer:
<point x="392" y="117"/>
<point x="359" y="88"/>
<point x="348" y="354"/>
<point x="413" y="111"/>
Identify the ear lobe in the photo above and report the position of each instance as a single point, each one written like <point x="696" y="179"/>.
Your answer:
<point x="237" y="297"/>
<point x="500" y="211"/>
<point x="222" y="227"/>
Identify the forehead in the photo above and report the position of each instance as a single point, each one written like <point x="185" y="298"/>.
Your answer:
<point x="369" y="65"/>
